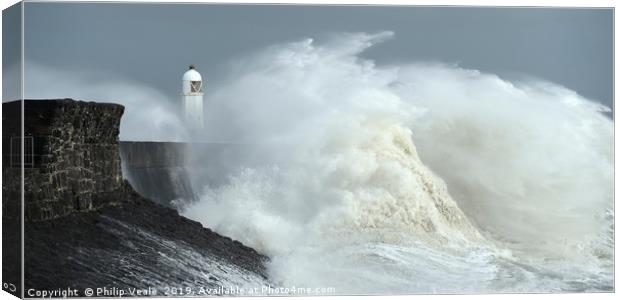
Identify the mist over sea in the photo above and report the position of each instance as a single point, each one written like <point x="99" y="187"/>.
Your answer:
<point x="413" y="177"/>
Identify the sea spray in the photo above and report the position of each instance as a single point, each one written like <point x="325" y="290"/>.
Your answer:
<point x="333" y="190"/>
<point x="322" y="217"/>
<point x="531" y="163"/>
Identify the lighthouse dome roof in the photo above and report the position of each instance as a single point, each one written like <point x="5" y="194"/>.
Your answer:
<point x="192" y="75"/>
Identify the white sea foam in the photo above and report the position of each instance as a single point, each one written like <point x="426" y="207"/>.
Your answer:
<point x="410" y="177"/>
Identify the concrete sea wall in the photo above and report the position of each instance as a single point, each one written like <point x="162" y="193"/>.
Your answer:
<point x="158" y="170"/>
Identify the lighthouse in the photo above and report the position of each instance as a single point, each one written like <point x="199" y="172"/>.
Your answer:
<point x="192" y="98"/>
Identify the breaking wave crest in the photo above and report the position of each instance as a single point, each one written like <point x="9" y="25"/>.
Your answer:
<point x="412" y="177"/>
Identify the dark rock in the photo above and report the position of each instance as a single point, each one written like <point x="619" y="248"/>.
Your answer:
<point x="88" y="249"/>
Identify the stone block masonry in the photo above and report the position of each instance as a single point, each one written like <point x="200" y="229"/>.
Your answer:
<point x="75" y="159"/>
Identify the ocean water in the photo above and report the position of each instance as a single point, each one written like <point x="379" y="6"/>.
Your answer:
<point x="413" y="177"/>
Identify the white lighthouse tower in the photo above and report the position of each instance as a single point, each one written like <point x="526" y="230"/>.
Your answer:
<point x="192" y="98"/>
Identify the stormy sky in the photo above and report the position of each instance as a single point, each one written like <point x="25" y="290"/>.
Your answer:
<point x="154" y="43"/>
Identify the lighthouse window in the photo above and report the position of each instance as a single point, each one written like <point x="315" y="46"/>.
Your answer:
<point x="195" y="86"/>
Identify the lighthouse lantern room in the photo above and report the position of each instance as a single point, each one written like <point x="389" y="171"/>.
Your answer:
<point x="192" y="98"/>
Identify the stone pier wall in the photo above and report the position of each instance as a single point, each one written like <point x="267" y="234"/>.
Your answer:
<point x="76" y="166"/>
